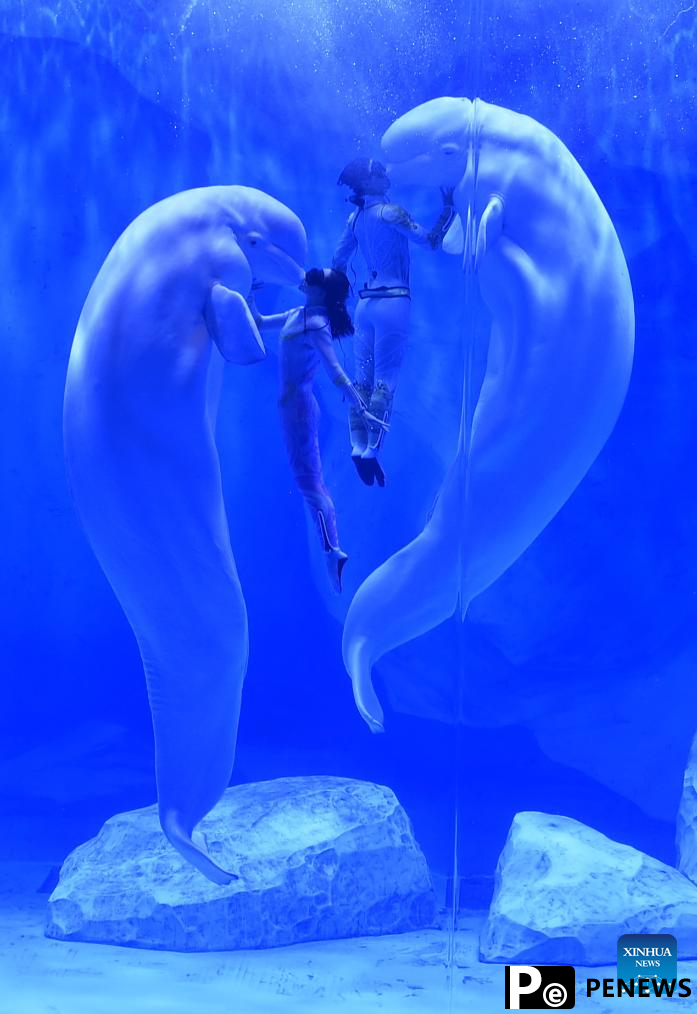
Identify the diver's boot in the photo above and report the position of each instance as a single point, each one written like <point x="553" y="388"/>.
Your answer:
<point x="334" y="557"/>
<point x="358" y="432"/>
<point x="381" y="407"/>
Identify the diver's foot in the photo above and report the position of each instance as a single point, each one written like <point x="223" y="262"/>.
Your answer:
<point x="370" y="461"/>
<point x="364" y="467"/>
<point x="335" y="559"/>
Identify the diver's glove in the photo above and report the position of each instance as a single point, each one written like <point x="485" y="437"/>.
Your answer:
<point x="445" y="219"/>
<point x="253" y="308"/>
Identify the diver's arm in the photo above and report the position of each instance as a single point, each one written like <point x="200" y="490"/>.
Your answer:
<point x="273" y="321"/>
<point x="270" y="322"/>
<point x="323" y="341"/>
<point x="400" y="219"/>
<point x="346" y="245"/>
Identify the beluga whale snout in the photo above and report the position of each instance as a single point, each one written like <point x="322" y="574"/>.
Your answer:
<point x="274" y="247"/>
<point x="139" y="416"/>
<point x="550" y="269"/>
<point x="429" y="145"/>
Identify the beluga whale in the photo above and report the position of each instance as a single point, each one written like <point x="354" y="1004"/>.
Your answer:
<point x="539" y="244"/>
<point x="165" y="311"/>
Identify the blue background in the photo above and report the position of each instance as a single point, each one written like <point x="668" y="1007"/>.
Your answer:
<point x="577" y="667"/>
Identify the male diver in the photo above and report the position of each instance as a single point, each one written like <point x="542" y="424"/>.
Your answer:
<point x="382" y="232"/>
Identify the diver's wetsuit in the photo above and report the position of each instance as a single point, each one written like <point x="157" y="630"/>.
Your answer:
<point x="382" y="231"/>
<point x="304" y="341"/>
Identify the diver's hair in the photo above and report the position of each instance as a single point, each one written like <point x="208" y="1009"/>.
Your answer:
<point x="336" y="290"/>
<point x="355" y="173"/>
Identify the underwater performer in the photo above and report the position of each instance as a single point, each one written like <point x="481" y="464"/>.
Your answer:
<point x="382" y="232"/>
<point x="306" y="338"/>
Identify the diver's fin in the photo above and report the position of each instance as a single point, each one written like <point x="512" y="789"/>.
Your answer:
<point x="364" y="467"/>
<point x="371" y="464"/>
<point x="335" y="560"/>
<point x="181" y="840"/>
<point x="334" y="557"/>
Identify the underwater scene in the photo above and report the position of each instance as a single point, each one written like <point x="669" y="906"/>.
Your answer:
<point x="349" y="564"/>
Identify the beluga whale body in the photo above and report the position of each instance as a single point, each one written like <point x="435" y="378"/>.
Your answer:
<point x="550" y="269"/>
<point x="139" y="415"/>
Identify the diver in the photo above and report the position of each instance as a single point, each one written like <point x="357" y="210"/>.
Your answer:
<point x="305" y="339"/>
<point x="382" y="232"/>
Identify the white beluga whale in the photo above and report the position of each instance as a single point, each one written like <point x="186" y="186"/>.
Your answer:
<point x="139" y="416"/>
<point x="550" y="269"/>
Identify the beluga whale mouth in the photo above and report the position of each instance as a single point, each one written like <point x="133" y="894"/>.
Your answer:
<point x="550" y="269"/>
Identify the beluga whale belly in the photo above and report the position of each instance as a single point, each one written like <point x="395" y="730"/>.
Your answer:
<point x="551" y="271"/>
<point x="167" y="307"/>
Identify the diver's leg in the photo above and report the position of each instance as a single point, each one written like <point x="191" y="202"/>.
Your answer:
<point x="364" y="358"/>
<point x="391" y="332"/>
<point x="364" y="364"/>
<point x="300" y="419"/>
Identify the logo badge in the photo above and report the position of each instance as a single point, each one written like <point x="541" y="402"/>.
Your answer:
<point x="540" y="987"/>
<point x="647" y="956"/>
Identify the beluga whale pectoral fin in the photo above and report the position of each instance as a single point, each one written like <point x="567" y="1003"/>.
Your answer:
<point x="489" y="229"/>
<point x="454" y="239"/>
<point x="232" y="328"/>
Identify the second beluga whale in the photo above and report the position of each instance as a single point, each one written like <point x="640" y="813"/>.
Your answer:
<point x="551" y="271"/>
<point x="166" y="308"/>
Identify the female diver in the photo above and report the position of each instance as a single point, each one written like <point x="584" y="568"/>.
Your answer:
<point x="306" y="338"/>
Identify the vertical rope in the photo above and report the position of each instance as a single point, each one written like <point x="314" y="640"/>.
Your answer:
<point x="470" y="89"/>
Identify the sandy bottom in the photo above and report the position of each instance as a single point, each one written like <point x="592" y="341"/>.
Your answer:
<point x="47" y="796"/>
<point x="405" y="974"/>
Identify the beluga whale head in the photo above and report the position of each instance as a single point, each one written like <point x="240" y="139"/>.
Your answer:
<point x="429" y="145"/>
<point x="271" y="237"/>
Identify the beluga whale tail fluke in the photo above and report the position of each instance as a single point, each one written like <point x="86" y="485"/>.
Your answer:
<point x="551" y="272"/>
<point x="166" y="310"/>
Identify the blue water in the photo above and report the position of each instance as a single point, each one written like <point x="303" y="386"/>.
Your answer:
<point x="577" y="666"/>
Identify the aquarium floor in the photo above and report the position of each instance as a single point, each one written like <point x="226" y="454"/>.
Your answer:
<point x="391" y="975"/>
<point x="52" y="798"/>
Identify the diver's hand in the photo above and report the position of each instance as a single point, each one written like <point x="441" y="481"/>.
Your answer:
<point x="254" y="310"/>
<point x="374" y="421"/>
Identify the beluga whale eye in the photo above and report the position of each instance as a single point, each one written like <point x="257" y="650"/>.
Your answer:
<point x="449" y="149"/>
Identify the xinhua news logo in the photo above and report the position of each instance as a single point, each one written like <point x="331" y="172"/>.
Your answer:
<point x="540" y="987"/>
<point x="647" y="956"/>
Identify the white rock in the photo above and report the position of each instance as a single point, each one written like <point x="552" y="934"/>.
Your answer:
<point x="317" y="858"/>
<point x="564" y="893"/>
<point x="686" y="828"/>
